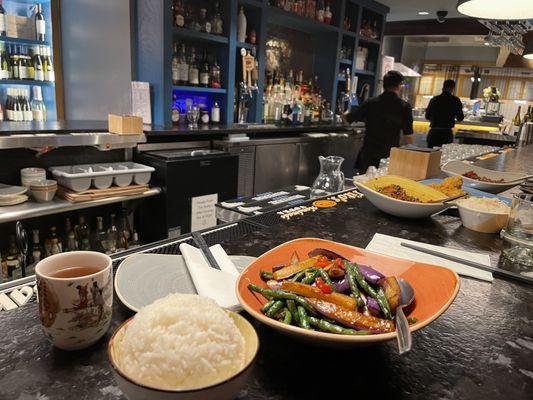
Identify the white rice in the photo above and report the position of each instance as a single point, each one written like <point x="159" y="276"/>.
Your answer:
<point x="485" y="204"/>
<point x="181" y="341"/>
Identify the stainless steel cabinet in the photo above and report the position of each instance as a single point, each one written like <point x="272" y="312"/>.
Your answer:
<point x="309" y="166"/>
<point x="276" y="166"/>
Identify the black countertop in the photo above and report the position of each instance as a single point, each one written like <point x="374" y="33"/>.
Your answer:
<point x="480" y="348"/>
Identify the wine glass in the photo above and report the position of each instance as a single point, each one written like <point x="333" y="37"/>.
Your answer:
<point x="193" y="113"/>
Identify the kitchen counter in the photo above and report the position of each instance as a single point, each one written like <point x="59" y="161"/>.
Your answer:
<point x="486" y="138"/>
<point x="480" y="348"/>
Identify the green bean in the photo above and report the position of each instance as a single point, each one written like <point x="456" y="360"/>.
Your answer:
<point x="281" y="295"/>
<point x="378" y="295"/>
<point x="324" y="275"/>
<point x="333" y="328"/>
<point x="310" y="278"/>
<point x="266" y="276"/>
<point x="353" y="285"/>
<point x="304" y="319"/>
<point x="298" y="277"/>
<point x="412" y="320"/>
<point x="287" y="316"/>
<point x="276" y="307"/>
<point x="291" y="305"/>
<point x="267" y="306"/>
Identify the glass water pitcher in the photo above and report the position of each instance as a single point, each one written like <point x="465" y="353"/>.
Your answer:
<point x="330" y="179"/>
<point x="518" y="234"/>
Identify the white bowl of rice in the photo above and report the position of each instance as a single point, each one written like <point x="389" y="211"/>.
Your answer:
<point x="183" y="347"/>
<point x="483" y="214"/>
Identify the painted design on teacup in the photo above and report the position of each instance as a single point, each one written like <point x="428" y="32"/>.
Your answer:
<point x="48" y="304"/>
<point x="88" y="310"/>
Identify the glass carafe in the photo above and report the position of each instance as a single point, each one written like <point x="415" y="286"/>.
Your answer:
<point x="330" y="179"/>
<point x="518" y="234"/>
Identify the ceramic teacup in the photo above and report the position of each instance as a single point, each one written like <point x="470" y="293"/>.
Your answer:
<point x="75" y="292"/>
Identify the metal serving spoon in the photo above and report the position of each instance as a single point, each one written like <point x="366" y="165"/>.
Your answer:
<point x="403" y="333"/>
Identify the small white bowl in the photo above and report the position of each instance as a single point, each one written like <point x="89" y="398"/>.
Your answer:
<point x="30" y="175"/>
<point x="43" y="190"/>
<point x="482" y="221"/>
<point x="225" y="390"/>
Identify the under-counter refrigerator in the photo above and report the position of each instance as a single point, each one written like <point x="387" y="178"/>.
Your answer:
<point x="192" y="182"/>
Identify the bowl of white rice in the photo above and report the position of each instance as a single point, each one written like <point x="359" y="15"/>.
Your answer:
<point x="483" y="214"/>
<point x="184" y="347"/>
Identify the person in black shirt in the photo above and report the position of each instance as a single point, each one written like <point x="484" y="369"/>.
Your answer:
<point x="442" y="111"/>
<point x="386" y="117"/>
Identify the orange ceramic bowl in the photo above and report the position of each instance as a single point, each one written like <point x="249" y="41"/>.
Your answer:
<point x="435" y="288"/>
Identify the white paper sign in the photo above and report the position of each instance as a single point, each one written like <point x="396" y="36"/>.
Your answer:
<point x="140" y="101"/>
<point x="203" y="211"/>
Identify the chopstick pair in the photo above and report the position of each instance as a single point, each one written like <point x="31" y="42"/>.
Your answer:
<point x="202" y="245"/>
<point x="496" y="271"/>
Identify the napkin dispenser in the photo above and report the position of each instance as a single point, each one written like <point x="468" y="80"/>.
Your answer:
<point x="416" y="164"/>
<point x="125" y="124"/>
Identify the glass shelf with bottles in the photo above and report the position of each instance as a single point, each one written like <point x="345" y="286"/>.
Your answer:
<point x="194" y="73"/>
<point x="106" y="236"/>
<point x="370" y="29"/>
<point x="317" y="10"/>
<point x="203" y="19"/>
<point x="20" y="64"/>
<point x="21" y="22"/>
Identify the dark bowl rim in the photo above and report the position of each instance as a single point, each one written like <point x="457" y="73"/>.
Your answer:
<point x="177" y="391"/>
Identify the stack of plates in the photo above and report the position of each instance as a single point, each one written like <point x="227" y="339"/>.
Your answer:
<point x="11" y="195"/>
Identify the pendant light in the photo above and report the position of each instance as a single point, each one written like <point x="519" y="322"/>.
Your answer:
<point x="496" y="9"/>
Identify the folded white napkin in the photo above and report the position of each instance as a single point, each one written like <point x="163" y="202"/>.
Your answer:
<point x="390" y="245"/>
<point x="218" y="285"/>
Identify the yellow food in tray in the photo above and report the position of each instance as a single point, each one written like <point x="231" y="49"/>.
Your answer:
<point x="451" y="186"/>
<point x="405" y="189"/>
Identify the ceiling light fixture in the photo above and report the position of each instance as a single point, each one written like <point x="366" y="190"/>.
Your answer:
<point x="423" y="13"/>
<point x="494" y="9"/>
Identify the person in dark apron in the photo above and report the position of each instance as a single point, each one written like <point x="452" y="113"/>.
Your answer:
<point x="386" y="117"/>
<point x="443" y="110"/>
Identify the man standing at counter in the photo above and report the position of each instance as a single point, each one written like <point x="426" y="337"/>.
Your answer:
<point x="442" y="111"/>
<point x="386" y="117"/>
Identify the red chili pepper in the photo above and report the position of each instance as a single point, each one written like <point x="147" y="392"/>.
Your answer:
<point x="323" y="286"/>
<point x="322" y="262"/>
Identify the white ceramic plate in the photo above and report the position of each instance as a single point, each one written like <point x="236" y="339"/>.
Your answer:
<point x="400" y="208"/>
<point x="511" y="179"/>
<point x="13" y="200"/>
<point x="143" y="278"/>
<point x="10" y="190"/>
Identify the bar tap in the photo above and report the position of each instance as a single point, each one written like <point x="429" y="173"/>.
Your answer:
<point x="248" y="85"/>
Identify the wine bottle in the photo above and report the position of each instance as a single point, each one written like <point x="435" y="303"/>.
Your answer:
<point x="3" y="21"/>
<point x="215" y="74"/>
<point x="205" y="25"/>
<point x="40" y="24"/>
<point x="17" y="107"/>
<point x="179" y="13"/>
<point x="194" y="78"/>
<point x="38" y="64"/>
<point x="204" y="71"/>
<point x="49" y="74"/>
<point x="516" y="120"/>
<point x="183" y="67"/>
<point x="217" y="25"/>
<point x="175" y="66"/>
<point x="37" y="105"/>
<point x="27" y="114"/>
<point x="4" y="62"/>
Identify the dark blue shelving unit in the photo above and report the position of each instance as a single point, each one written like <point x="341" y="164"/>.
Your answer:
<point x="156" y="33"/>
<point x="23" y="41"/>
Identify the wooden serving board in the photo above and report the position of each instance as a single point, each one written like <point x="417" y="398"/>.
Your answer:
<point x="94" y="194"/>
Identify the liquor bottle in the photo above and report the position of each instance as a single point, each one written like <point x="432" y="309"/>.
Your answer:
<point x="3" y="22"/>
<point x="175" y="115"/>
<point x="194" y="78"/>
<point x="122" y="243"/>
<point x="217" y="25"/>
<point x="49" y="242"/>
<point x="320" y="11"/>
<point x="4" y="61"/>
<point x="124" y="225"/>
<point x="204" y="71"/>
<point x="85" y="244"/>
<point x="40" y="24"/>
<point x="37" y="105"/>
<point x="99" y="242"/>
<point x="18" y="114"/>
<point x="112" y="236"/>
<point x="36" y="250"/>
<point x="49" y="73"/>
<point x="516" y="120"/>
<point x="179" y="13"/>
<point x="72" y="243"/>
<point x="13" y="260"/>
<point x="27" y="114"/>
<point x="175" y="65"/>
<point x="310" y="8"/>
<point x="327" y="15"/>
<point x="81" y="230"/>
<point x="241" y="26"/>
<point x="527" y="116"/>
<point x="195" y="21"/>
<point x="135" y="241"/>
<point x="55" y="248"/>
<point x="183" y="67"/>
<point x="215" y="113"/>
<point x="189" y="17"/>
<point x="205" y="25"/>
<point x="215" y="74"/>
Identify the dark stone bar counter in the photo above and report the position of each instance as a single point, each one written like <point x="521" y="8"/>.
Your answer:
<point x="480" y="348"/>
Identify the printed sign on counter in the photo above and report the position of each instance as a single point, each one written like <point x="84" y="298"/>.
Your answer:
<point x="203" y="213"/>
